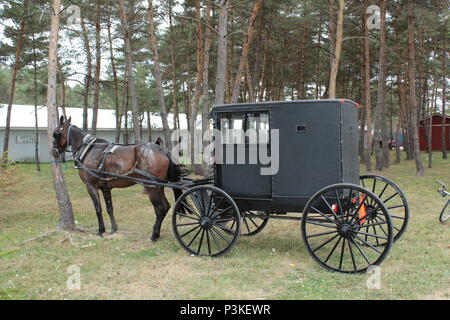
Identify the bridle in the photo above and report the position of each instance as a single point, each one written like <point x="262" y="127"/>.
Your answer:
<point x="57" y="135"/>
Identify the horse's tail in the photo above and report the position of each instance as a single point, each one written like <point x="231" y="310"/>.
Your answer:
<point x="174" y="174"/>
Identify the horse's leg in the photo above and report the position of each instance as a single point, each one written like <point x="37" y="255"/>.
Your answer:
<point x="109" y="208"/>
<point x="93" y="192"/>
<point x="161" y="206"/>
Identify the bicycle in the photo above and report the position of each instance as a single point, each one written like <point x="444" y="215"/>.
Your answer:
<point x="443" y="217"/>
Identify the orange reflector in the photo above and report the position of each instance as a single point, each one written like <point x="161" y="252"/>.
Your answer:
<point x="362" y="211"/>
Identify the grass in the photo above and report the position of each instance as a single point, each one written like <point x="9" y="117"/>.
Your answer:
<point x="272" y="265"/>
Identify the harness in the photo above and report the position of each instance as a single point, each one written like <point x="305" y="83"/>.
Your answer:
<point x="88" y="142"/>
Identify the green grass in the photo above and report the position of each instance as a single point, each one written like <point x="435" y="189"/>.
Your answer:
<point x="272" y="265"/>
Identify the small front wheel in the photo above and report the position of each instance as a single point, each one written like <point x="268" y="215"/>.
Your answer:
<point x="340" y="230"/>
<point x="206" y="221"/>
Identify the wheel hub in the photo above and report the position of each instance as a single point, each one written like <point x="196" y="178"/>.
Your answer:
<point x="371" y="212"/>
<point x="346" y="230"/>
<point x="206" y="223"/>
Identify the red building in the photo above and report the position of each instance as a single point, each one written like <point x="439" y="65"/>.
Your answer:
<point x="436" y="132"/>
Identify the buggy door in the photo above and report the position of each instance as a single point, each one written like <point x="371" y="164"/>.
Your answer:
<point x="243" y="135"/>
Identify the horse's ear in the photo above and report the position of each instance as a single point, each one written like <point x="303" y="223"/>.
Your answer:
<point x="61" y="120"/>
<point x="70" y="119"/>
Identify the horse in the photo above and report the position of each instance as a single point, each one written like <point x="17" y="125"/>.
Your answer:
<point x="91" y="154"/>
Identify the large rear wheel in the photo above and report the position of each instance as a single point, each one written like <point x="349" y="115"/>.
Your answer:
<point x="392" y="197"/>
<point x="340" y="230"/>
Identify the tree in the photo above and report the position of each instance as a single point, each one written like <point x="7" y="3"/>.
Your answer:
<point x="380" y="109"/>
<point x="221" y="52"/>
<point x="129" y="70"/>
<point x="337" y="50"/>
<point x="366" y="86"/>
<point x="67" y="221"/>
<point x="412" y="89"/>
<point x="248" y="38"/>
<point x="12" y="90"/>
<point x="157" y="74"/>
<point x="98" y="59"/>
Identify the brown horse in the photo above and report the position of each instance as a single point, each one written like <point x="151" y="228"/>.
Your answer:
<point x="94" y="153"/>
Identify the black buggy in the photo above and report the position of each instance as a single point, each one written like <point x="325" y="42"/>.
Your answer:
<point x="348" y="221"/>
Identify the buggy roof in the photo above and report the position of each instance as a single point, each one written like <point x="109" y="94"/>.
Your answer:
<point x="267" y="105"/>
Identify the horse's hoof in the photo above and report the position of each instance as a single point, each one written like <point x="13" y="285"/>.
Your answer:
<point x="154" y="239"/>
<point x="113" y="231"/>
<point x="100" y="234"/>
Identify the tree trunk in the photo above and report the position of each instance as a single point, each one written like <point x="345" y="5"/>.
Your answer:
<point x="367" y="102"/>
<point x="174" y="71"/>
<point x="444" y="84"/>
<point x="87" y="78"/>
<point x="412" y="90"/>
<point x="157" y="75"/>
<point x="380" y="110"/>
<point x="12" y="88"/>
<point x="221" y="53"/>
<point x="36" y="123"/>
<point x="130" y="76"/>
<point x="67" y="221"/>
<point x="62" y="81"/>
<point x="116" y="84"/>
<point x="98" y="59"/>
<point x="206" y="60"/>
<point x="337" y="51"/>
<point x="245" y="50"/>
<point x="198" y="83"/>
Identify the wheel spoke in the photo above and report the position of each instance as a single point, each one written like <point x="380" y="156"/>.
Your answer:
<point x="224" y="228"/>
<point x="189" y="208"/>
<point x="188" y="232"/>
<point x="207" y="240"/>
<point x="371" y="235"/>
<point x="384" y="189"/>
<point x="246" y="225"/>
<point x="352" y="255"/>
<point x="201" y="241"/>
<point x="221" y="235"/>
<point x="187" y="216"/>
<point x="216" y="206"/>
<point x="320" y="234"/>
<point x="321" y="224"/>
<point x="187" y="224"/>
<point x="395" y="194"/>
<point x="360" y="251"/>
<point x="368" y="244"/>
<point x="342" y="254"/>
<point x="331" y="209"/>
<point x="325" y="243"/>
<point x="332" y="250"/>
<point x="324" y="215"/>
<point x="195" y="237"/>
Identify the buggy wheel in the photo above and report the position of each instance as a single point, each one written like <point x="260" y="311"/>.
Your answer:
<point x="392" y="197"/>
<point x="206" y="221"/>
<point x="443" y="217"/>
<point x="338" y="232"/>
<point x="253" y="223"/>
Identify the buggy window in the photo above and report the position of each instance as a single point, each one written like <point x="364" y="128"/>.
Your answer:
<point x="249" y="128"/>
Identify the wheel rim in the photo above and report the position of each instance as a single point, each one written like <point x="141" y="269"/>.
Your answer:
<point x="206" y="221"/>
<point x="334" y="227"/>
<point x="252" y="223"/>
<point x="393" y="198"/>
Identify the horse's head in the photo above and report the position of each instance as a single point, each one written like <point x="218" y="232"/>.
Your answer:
<point x="61" y="136"/>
